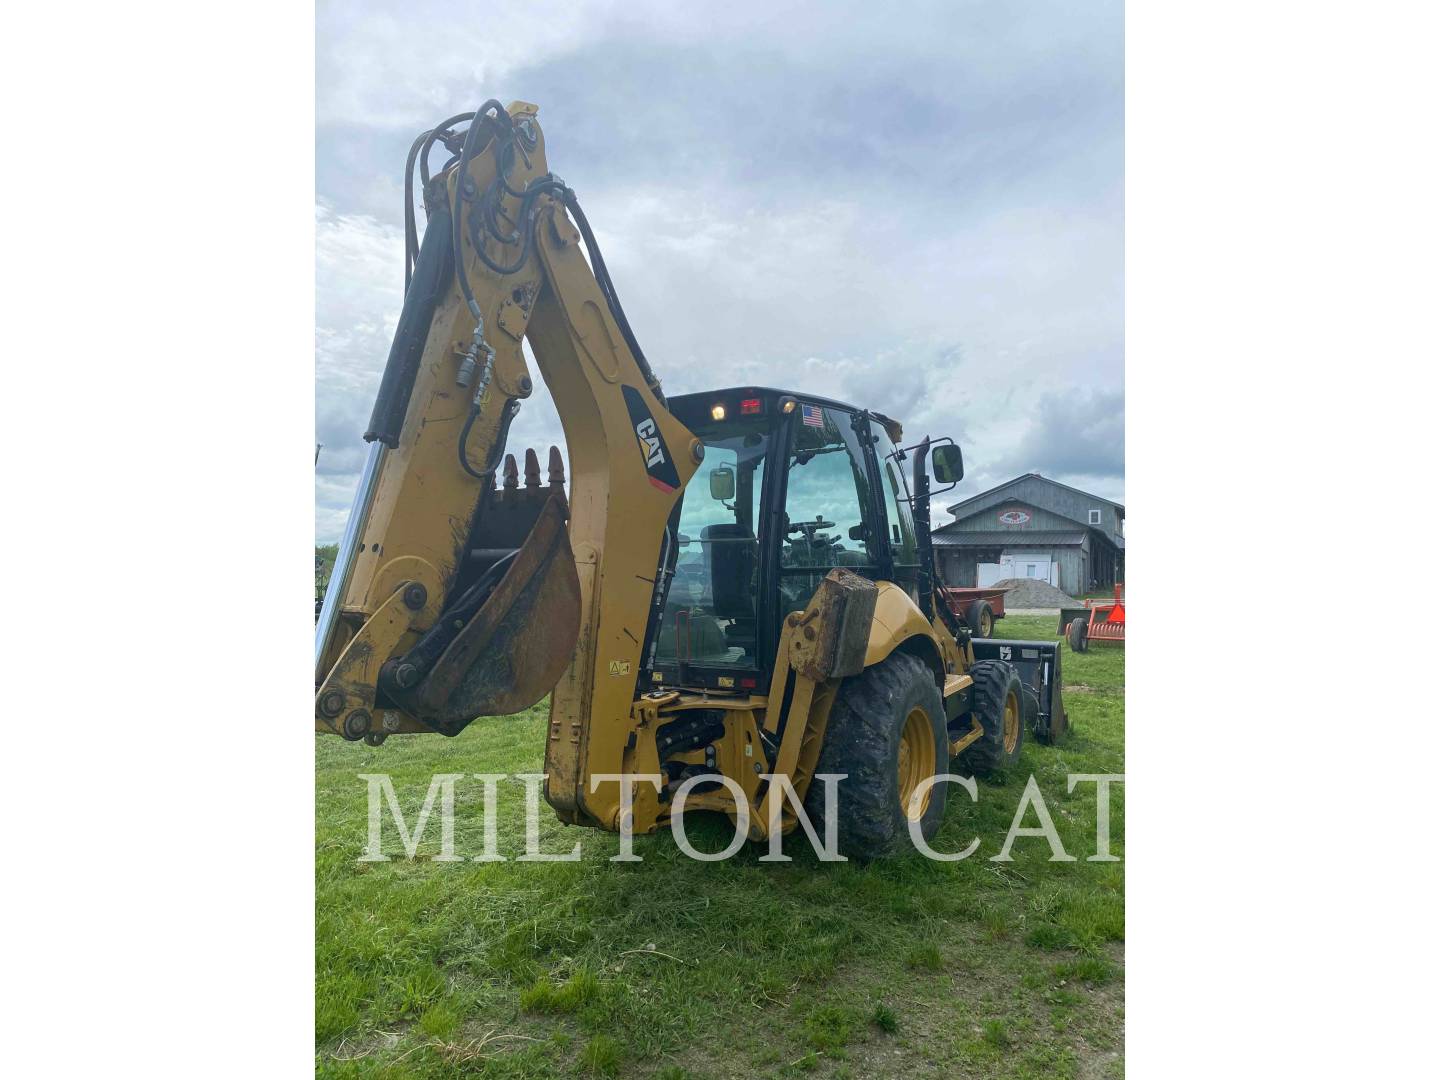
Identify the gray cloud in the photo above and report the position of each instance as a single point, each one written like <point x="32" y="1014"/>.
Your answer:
<point x="921" y="215"/>
<point x="1076" y="436"/>
<point x="1081" y="432"/>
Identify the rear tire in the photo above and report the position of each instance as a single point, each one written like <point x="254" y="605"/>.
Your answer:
<point x="892" y="706"/>
<point x="999" y="703"/>
<point x="981" y="618"/>
<point x="1079" y="635"/>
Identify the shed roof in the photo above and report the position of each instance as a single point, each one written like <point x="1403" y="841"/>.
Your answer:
<point x="1008" y="538"/>
<point x="957" y="507"/>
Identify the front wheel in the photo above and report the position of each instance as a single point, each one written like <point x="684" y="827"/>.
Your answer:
<point x="998" y="704"/>
<point x="887" y="734"/>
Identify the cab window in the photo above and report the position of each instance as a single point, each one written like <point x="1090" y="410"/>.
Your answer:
<point x="827" y="505"/>
<point x="897" y="507"/>
<point x="710" y="611"/>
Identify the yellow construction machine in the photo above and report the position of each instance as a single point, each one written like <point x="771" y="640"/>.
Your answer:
<point x="737" y="636"/>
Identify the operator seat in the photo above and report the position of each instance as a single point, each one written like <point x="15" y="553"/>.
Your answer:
<point x="730" y="565"/>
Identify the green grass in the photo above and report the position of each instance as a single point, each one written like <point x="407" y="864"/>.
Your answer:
<point x="925" y="957"/>
<point x="545" y="996"/>
<point x="885" y="1019"/>
<point x="601" y="1056"/>
<point x="996" y="1035"/>
<point x="672" y="968"/>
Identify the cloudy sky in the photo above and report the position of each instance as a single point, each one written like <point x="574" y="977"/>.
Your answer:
<point x="921" y="213"/>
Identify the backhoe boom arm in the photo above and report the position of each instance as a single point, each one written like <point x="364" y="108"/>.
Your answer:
<point x="455" y="597"/>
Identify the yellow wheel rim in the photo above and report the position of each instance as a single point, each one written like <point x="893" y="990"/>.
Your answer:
<point x="916" y="761"/>
<point x="987" y="624"/>
<point x="1010" y="734"/>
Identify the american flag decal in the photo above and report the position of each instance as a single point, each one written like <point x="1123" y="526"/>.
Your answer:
<point x="812" y="416"/>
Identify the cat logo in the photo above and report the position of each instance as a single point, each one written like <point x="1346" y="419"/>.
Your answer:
<point x="650" y="443"/>
<point x="619" y="667"/>
<point x="1004" y="652"/>
<point x="659" y="469"/>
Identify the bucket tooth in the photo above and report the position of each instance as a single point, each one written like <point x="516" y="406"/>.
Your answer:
<point x="557" y="468"/>
<point x="512" y="474"/>
<point x="532" y="469"/>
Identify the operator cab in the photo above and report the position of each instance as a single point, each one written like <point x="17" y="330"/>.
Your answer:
<point x="791" y="487"/>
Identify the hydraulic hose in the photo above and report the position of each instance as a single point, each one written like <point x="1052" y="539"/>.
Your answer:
<point x="420" y="151"/>
<point x="490" y="124"/>
<point x="482" y="119"/>
<point x="607" y="287"/>
<point x="422" y="295"/>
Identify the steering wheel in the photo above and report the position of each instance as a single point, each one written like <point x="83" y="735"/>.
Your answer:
<point x="810" y="528"/>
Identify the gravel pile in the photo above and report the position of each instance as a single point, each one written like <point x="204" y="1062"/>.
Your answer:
<point x="1021" y="593"/>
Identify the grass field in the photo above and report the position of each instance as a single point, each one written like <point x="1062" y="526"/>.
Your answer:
<point x="674" y="968"/>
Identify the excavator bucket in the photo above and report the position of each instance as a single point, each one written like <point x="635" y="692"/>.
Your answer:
<point x="507" y="633"/>
<point x="521" y="624"/>
<point x="517" y="645"/>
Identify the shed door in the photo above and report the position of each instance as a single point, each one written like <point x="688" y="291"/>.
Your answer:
<point x="1038" y="567"/>
<point x="987" y="573"/>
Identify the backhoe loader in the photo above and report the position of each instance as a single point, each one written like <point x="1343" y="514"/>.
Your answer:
<point x="778" y="619"/>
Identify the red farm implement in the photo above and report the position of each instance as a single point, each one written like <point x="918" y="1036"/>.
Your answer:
<point x="978" y="607"/>
<point x="1098" y="620"/>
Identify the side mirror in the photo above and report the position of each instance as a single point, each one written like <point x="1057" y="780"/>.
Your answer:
<point x="722" y="483"/>
<point x="947" y="464"/>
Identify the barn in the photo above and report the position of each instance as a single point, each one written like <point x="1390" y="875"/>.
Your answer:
<point x="1035" y="527"/>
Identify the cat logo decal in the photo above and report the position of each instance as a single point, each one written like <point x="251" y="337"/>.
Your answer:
<point x="653" y="452"/>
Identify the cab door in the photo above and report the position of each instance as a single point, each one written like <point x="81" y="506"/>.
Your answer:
<point x="902" y="559"/>
<point x="830" y="516"/>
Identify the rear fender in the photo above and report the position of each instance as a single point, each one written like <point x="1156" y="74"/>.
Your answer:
<point x="899" y="624"/>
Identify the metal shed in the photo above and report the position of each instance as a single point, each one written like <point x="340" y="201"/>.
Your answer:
<point x="1033" y="526"/>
